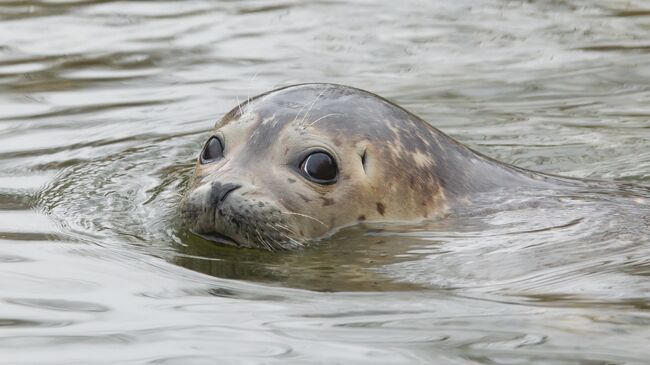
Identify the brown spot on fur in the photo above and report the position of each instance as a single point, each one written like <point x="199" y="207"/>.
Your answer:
<point x="291" y="181"/>
<point x="327" y="201"/>
<point x="306" y="199"/>
<point x="361" y="218"/>
<point x="381" y="208"/>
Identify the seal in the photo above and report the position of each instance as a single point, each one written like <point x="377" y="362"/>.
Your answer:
<point x="297" y="163"/>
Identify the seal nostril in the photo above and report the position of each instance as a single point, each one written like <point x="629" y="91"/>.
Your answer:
<point x="221" y="191"/>
<point x="225" y="193"/>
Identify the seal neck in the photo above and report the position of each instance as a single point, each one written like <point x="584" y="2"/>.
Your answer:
<point x="462" y="171"/>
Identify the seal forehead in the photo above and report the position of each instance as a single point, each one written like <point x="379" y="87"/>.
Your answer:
<point x="330" y="108"/>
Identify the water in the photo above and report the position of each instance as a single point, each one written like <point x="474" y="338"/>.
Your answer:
<point x="105" y="104"/>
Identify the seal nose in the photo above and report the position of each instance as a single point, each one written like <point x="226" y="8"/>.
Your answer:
<point x="221" y="191"/>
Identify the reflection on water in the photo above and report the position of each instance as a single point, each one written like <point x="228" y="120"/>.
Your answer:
<point x="105" y="105"/>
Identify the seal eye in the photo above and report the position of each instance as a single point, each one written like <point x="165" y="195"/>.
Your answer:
<point x="320" y="168"/>
<point x="212" y="151"/>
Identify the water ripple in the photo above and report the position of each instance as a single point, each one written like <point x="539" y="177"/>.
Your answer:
<point x="106" y="103"/>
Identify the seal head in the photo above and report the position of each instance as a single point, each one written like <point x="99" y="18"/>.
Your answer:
<point x="296" y="163"/>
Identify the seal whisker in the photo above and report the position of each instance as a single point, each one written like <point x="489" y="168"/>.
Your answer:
<point x="298" y="114"/>
<point x="239" y="105"/>
<point x="273" y="226"/>
<point x="262" y="241"/>
<point x="289" y="230"/>
<point x="323" y="117"/>
<point x="248" y="91"/>
<point x="268" y="241"/>
<point x="304" y="215"/>
<point x="297" y="243"/>
<point x="303" y="108"/>
<point x="313" y="103"/>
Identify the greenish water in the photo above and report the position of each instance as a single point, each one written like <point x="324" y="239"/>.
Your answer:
<point x="104" y="106"/>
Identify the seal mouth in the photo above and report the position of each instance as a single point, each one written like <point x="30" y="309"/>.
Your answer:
<point x="218" y="238"/>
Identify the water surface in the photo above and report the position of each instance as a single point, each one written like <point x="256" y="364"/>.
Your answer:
<point x="105" y="104"/>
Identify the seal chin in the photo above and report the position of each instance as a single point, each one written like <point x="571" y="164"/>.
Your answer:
<point x="257" y="239"/>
